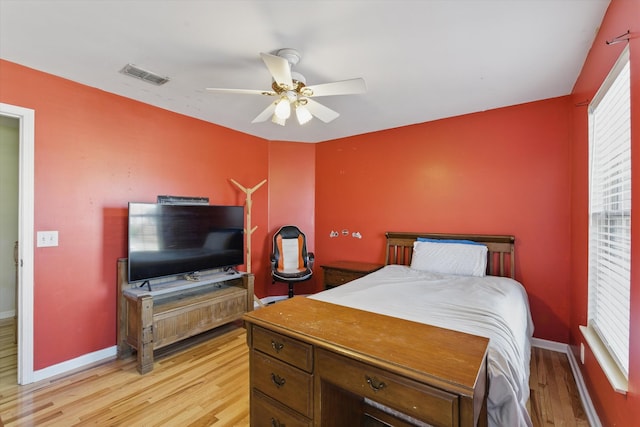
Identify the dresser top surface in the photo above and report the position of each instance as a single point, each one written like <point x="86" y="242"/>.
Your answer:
<point x="356" y="266"/>
<point x="423" y="352"/>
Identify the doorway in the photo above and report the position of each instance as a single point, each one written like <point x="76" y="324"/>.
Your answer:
<point x="9" y="144"/>
<point x="8" y="213"/>
<point x="24" y="118"/>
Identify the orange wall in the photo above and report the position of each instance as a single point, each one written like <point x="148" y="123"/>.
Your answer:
<point x="94" y="152"/>
<point x="613" y="409"/>
<point x="291" y="201"/>
<point x="504" y="171"/>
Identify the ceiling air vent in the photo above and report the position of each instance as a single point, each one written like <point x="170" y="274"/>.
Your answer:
<point x="147" y="76"/>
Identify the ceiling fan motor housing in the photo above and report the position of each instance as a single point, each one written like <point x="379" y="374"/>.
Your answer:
<point x="291" y="55"/>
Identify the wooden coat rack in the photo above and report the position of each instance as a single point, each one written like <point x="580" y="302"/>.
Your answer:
<point x="248" y="231"/>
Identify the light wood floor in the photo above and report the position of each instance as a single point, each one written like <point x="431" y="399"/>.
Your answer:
<point x="205" y="382"/>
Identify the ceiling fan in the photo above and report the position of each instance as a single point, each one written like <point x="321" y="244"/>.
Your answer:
<point x="292" y="92"/>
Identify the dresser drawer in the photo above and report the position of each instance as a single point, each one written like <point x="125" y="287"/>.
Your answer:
<point x="339" y="277"/>
<point x="410" y="397"/>
<point x="340" y="272"/>
<point x="284" y="383"/>
<point x="270" y="413"/>
<point x="287" y="349"/>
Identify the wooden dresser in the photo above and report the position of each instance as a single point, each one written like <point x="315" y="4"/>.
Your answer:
<point x="314" y="363"/>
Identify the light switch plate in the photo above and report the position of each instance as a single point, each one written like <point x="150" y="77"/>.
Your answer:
<point x="47" y="239"/>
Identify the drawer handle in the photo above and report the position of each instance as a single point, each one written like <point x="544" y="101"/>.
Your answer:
<point x="277" y="346"/>
<point x="374" y="383"/>
<point x="277" y="380"/>
<point x="276" y="423"/>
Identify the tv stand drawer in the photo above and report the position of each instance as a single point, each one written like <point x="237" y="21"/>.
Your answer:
<point x="194" y="317"/>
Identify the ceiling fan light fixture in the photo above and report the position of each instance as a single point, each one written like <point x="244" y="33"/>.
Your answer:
<point x="277" y="120"/>
<point x="302" y="114"/>
<point x="283" y="108"/>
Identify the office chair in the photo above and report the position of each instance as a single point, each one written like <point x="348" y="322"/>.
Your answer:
<point x="290" y="261"/>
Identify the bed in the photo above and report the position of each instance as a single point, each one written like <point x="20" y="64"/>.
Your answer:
<point x="482" y="298"/>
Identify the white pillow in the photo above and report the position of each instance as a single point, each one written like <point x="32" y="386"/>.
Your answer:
<point x="450" y="258"/>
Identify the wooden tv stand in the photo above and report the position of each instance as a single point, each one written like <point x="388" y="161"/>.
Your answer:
<point x="314" y="363"/>
<point x="175" y="309"/>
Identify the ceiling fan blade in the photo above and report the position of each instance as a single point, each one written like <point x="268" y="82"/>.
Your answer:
<point x="242" y="91"/>
<point x="325" y="114"/>
<point x="266" y="113"/>
<point x="344" y="87"/>
<point x="279" y="68"/>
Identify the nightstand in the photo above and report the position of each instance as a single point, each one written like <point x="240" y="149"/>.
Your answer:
<point x="340" y="272"/>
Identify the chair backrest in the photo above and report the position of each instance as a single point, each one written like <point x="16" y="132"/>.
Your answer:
<point x="290" y="249"/>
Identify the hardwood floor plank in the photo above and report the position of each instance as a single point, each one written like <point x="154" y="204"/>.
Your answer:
<point x="205" y="382"/>
<point x="540" y="395"/>
<point x="561" y="377"/>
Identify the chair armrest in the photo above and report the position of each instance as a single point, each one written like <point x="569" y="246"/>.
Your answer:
<point x="310" y="259"/>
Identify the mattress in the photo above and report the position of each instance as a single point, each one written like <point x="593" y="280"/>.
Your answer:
<point x="489" y="306"/>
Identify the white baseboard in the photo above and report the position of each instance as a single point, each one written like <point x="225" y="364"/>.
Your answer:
<point x="587" y="403"/>
<point x="550" y="345"/>
<point x="81" y="362"/>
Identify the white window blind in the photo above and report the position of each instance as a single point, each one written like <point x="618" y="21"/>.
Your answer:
<point x="610" y="212"/>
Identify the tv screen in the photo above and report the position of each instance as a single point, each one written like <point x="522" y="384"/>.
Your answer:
<point x="168" y="240"/>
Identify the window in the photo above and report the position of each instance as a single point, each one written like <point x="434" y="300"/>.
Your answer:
<point x="610" y="223"/>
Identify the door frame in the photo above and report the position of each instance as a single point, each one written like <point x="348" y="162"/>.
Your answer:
<point x="26" y="195"/>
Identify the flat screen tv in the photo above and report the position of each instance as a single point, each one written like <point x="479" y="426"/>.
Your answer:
<point x="169" y="240"/>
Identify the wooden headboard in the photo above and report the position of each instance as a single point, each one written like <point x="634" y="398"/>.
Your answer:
<point x="500" y="258"/>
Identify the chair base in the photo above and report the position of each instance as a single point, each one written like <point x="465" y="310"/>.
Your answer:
<point x="290" y="283"/>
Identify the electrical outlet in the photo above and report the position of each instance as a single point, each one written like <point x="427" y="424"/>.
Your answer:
<point x="582" y="353"/>
<point x="47" y="239"/>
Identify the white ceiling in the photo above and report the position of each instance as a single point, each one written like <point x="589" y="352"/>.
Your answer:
<point x="422" y="60"/>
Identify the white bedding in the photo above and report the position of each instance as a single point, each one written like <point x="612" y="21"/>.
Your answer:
<point x="490" y="306"/>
